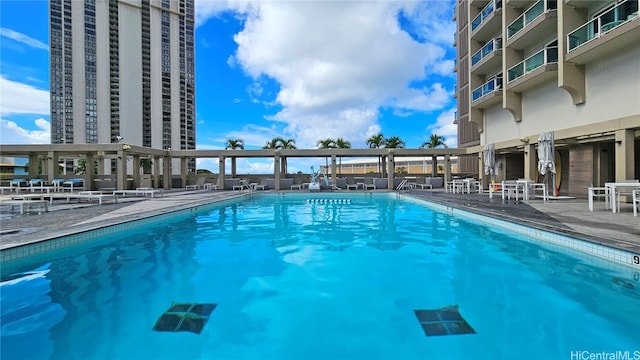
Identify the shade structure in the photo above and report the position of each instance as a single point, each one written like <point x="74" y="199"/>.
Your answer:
<point x="489" y="158"/>
<point x="546" y="158"/>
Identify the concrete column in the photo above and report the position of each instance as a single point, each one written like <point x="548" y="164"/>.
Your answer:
<point x="121" y="170"/>
<point x="156" y="171"/>
<point x="183" y="171"/>
<point x="221" y="174"/>
<point x="530" y="163"/>
<point x="384" y="166"/>
<point x="52" y="165"/>
<point x="136" y="171"/>
<point x="166" y="169"/>
<point x="33" y="165"/>
<point x="447" y="168"/>
<point x="334" y="175"/>
<point x="276" y="171"/>
<point x="625" y="168"/>
<point x="390" y="168"/>
<point x="89" y="175"/>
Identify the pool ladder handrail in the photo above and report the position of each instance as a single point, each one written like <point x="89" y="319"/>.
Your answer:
<point x="245" y="184"/>
<point x="401" y="185"/>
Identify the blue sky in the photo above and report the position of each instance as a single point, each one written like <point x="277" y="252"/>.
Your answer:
<point x="300" y="69"/>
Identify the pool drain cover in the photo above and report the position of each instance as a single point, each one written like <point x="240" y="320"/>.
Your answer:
<point x="443" y="321"/>
<point x="184" y="317"/>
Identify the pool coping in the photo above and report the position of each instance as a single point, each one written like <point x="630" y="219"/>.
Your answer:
<point x="632" y="249"/>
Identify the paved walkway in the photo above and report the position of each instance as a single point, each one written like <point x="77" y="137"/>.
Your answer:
<point x="570" y="216"/>
<point x="567" y="216"/>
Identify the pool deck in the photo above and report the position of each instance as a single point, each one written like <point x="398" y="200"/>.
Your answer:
<point x="570" y="216"/>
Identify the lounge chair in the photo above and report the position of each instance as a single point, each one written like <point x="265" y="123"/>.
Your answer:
<point x="351" y="184"/>
<point x="368" y="184"/>
<point x="242" y="185"/>
<point x="71" y="184"/>
<point x="199" y="184"/>
<point x="257" y="186"/>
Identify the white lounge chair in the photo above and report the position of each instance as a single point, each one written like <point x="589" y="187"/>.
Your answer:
<point x="199" y="184"/>
<point x="242" y="185"/>
<point x="368" y="183"/>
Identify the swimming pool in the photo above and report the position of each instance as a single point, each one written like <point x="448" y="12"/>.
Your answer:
<point x="288" y="277"/>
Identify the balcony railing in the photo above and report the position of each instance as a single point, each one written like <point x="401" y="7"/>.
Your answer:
<point x="486" y="88"/>
<point x="485" y="13"/>
<point x="618" y="15"/>
<point x="531" y="14"/>
<point x="547" y="55"/>
<point x="488" y="48"/>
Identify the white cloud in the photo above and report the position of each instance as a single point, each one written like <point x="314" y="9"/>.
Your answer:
<point x="337" y="63"/>
<point x="19" y="98"/>
<point x="12" y="133"/>
<point x="445" y="127"/>
<point x="22" y="38"/>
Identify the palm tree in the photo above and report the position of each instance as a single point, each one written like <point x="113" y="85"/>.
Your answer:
<point x="327" y="143"/>
<point x="394" y="142"/>
<point x="434" y="142"/>
<point x="342" y="144"/>
<point x="272" y="144"/>
<point x="376" y="142"/>
<point x="234" y="144"/>
<point x="285" y="144"/>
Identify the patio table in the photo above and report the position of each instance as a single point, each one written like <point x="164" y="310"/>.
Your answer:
<point x="615" y="189"/>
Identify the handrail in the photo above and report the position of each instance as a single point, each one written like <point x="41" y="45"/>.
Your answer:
<point x="490" y="86"/>
<point x="488" y="48"/>
<point x="621" y="13"/>
<point x="532" y="13"/>
<point x="548" y="55"/>
<point x="244" y="183"/>
<point x="402" y="184"/>
<point x="492" y="6"/>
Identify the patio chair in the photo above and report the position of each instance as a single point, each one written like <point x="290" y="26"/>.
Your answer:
<point x="351" y="184"/>
<point x="368" y="183"/>
<point x="636" y="202"/>
<point x="199" y="184"/>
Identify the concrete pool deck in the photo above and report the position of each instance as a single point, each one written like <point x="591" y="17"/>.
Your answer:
<point x="566" y="216"/>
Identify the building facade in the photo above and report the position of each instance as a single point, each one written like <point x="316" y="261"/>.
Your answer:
<point x="571" y="67"/>
<point x="123" y="69"/>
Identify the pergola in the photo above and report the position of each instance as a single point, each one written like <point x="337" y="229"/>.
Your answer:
<point x="121" y="153"/>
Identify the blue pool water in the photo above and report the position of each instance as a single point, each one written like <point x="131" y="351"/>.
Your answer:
<point x="297" y="280"/>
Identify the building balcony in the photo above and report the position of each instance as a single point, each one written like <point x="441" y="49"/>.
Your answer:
<point x="534" y="70"/>
<point x="537" y="23"/>
<point x="487" y="94"/>
<point x="488" y="58"/>
<point x="488" y="21"/>
<point x="608" y="33"/>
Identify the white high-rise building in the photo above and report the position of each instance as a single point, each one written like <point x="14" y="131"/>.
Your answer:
<point x="123" y="69"/>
